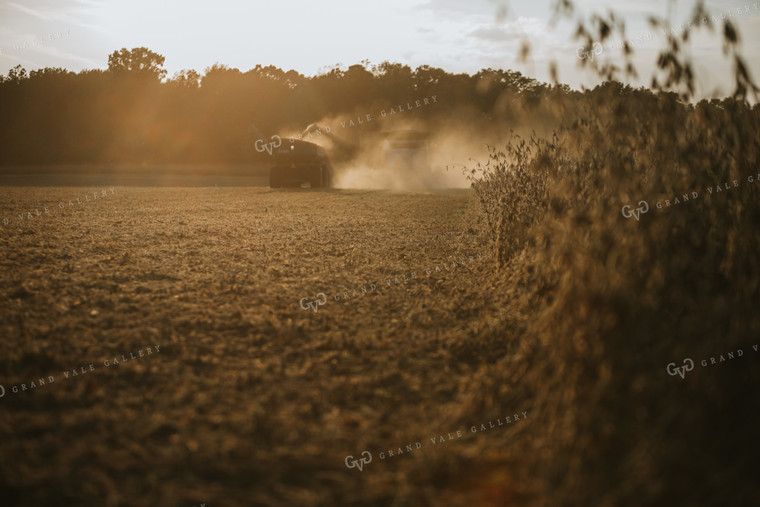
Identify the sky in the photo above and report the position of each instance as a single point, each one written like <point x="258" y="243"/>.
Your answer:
<point x="310" y="37"/>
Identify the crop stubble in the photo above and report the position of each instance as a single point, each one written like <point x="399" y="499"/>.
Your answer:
<point x="252" y="399"/>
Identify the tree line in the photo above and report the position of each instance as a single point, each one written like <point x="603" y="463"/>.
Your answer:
<point x="131" y="112"/>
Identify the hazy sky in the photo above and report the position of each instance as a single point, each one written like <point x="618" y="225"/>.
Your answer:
<point x="308" y="36"/>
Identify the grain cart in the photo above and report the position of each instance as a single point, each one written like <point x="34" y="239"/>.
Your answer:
<point x="296" y="162"/>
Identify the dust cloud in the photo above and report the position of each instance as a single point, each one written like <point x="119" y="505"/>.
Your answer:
<point x="360" y="154"/>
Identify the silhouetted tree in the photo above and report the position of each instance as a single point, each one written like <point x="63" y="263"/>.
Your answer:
<point x="140" y="62"/>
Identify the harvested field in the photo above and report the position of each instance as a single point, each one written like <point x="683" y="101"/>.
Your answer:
<point x="247" y="398"/>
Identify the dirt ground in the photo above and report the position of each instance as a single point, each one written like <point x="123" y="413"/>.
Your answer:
<point x="249" y="396"/>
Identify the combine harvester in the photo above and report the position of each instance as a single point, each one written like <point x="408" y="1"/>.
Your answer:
<point x="406" y="158"/>
<point x="393" y="158"/>
<point x="406" y="150"/>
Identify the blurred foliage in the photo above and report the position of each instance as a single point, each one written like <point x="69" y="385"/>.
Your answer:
<point x="610" y="301"/>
